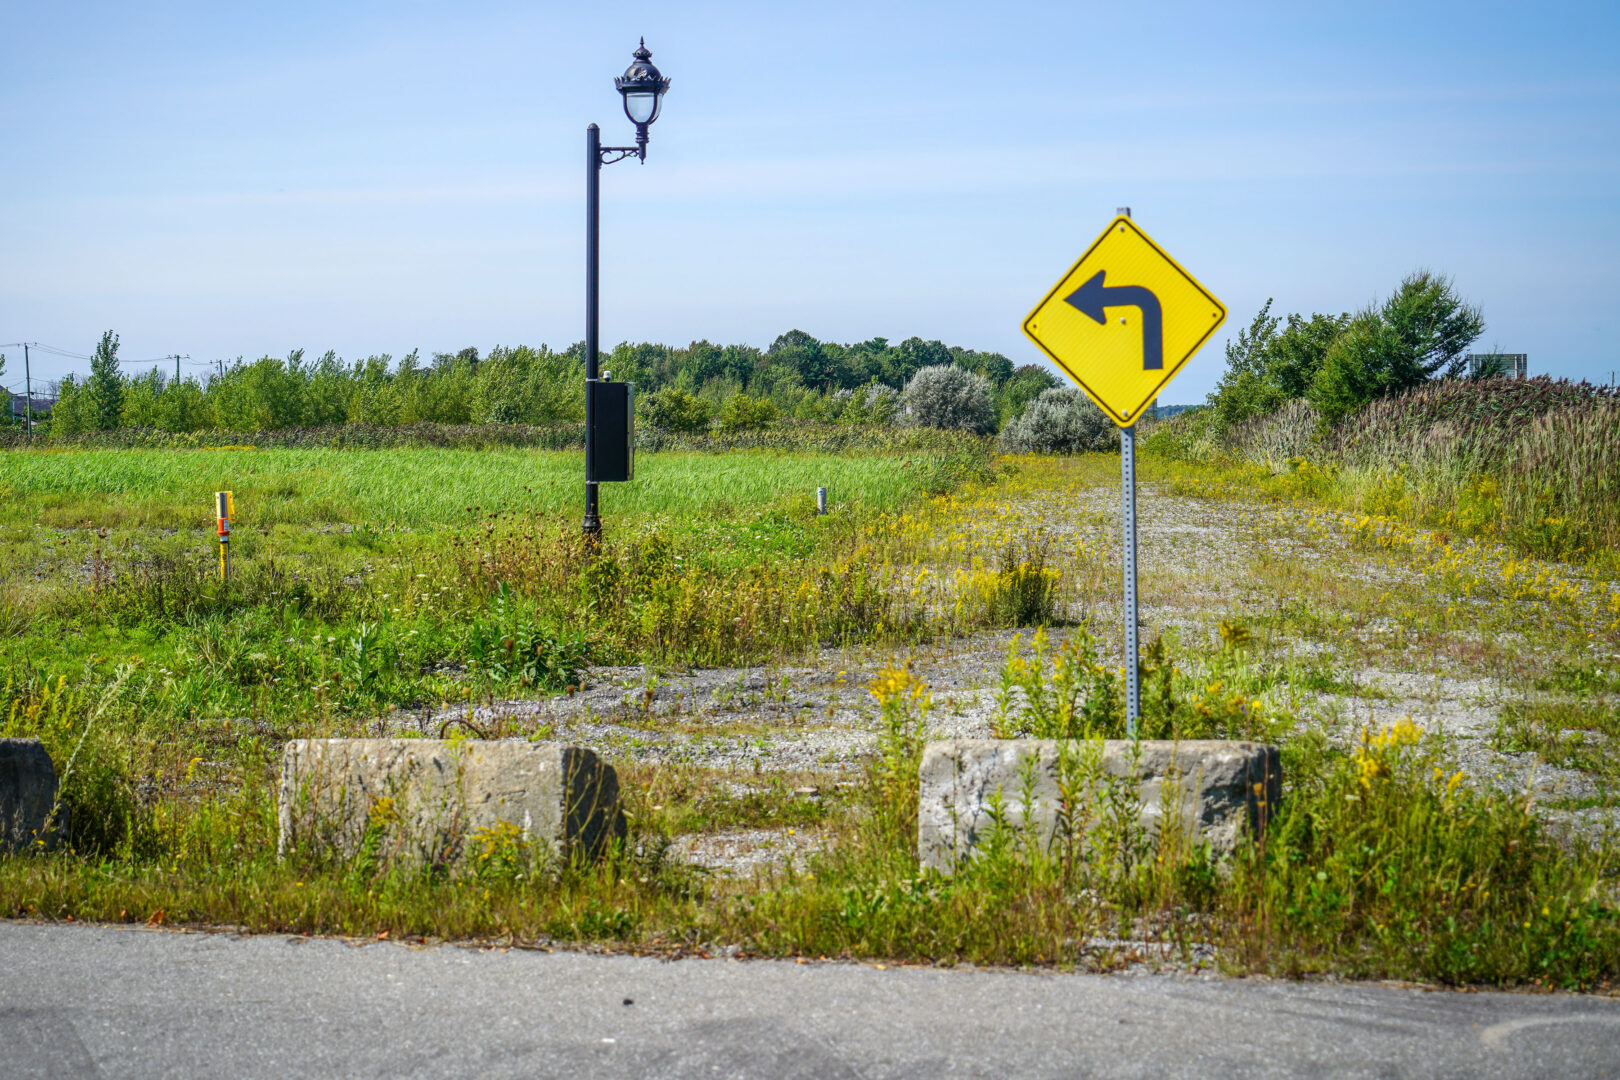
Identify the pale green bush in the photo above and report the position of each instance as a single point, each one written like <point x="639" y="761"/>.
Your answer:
<point x="1060" y="421"/>
<point x="946" y="396"/>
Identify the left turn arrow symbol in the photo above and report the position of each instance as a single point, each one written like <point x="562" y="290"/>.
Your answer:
<point x="1091" y="298"/>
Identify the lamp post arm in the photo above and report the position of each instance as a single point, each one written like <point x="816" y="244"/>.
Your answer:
<point x="610" y="154"/>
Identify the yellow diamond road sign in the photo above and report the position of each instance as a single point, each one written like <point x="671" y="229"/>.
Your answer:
<point x="1124" y="321"/>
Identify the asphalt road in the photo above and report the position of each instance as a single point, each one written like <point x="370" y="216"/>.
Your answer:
<point x="78" y="1001"/>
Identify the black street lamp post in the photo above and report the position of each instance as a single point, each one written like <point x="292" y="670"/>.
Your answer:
<point x="643" y="87"/>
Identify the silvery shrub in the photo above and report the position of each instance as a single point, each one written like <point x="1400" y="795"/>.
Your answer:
<point x="946" y="396"/>
<point x="882" y="403"/>
<point x="1060" y="421"/>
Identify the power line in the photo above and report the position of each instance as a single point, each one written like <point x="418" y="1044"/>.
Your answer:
<point x="28" y="392"/>
<point x="52" y="349"/>
<point x="176" y="357"/>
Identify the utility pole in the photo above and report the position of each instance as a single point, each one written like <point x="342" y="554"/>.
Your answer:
<point x="28" y="386"/>
<point x="28" y="394"/>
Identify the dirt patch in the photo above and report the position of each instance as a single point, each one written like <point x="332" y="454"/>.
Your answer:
<point x="745" y="852"/>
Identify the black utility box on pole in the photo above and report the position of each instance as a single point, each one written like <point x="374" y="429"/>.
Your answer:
<point x="613" y="429"/>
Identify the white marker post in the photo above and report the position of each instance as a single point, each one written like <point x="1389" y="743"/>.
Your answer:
<point x="223" y="506"/>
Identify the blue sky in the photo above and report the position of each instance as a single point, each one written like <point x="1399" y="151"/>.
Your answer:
<point x="225" y="180"/>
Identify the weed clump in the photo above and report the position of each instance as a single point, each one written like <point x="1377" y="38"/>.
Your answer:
<point x="1023" y="589"/>
<point x="1386" y="859"/>
<point x="78" y="725"/>
<point x="1069" y="693"/>
<point x="509" y="645"/>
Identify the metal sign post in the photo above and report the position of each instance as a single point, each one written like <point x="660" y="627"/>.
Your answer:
<point x="1127" y="539"/>
<point x="1122" y="323"/>
<point x="1127" y="543"/>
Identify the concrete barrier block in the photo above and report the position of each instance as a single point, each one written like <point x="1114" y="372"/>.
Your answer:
<point x="423" y="800"/>
<point x="1211" y="790"/>
<point x="27" y="796"/>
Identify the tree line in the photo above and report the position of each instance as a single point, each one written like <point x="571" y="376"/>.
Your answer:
<point x="679" y="388"/>
<point x="1336" y="363"/>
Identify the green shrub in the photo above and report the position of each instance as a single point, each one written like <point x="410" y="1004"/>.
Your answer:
<point x="744" y="413"/>
<point x="1023" y="386"/>
<point x="77" y="723"/>
<point x="1386" y="858"/>
<point x="1186" y="436"/>
<point x="1270" y="363"/>
<point x="1419" y="333"/>
<point x="1068" y="693"/>
<point x="675" y="410"/>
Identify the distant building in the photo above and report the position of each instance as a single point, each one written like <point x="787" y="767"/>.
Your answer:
<point x="19" y="406"/>
<point x="1484" y="365"/>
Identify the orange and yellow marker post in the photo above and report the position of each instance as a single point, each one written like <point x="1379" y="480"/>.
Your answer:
<point x="224" y="505"/>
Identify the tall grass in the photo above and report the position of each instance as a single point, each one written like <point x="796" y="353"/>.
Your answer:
<point x="791" y="434"/>
<point x="1533" y="462"/>
<point x="646" y="598"/>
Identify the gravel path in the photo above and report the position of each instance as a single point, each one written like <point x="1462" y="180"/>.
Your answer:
<point x="1204" y="561"/>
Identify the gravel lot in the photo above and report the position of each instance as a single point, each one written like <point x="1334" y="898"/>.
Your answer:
<point x="1204" y="561"/>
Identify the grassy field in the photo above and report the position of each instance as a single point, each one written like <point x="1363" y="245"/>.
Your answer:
<point x="425" y="489"/>
<point x="371" y="574"/>
<point x="1396" y="853"/>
